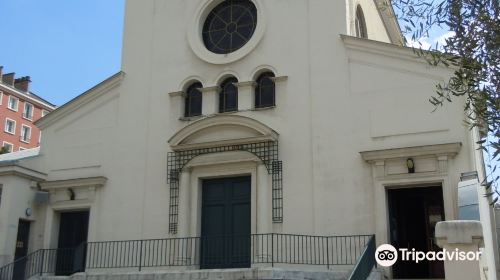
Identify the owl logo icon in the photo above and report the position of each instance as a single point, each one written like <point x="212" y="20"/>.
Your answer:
<point x="386" y="255"/>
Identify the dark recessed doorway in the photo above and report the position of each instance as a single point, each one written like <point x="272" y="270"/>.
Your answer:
<point x="23" y="233"/>
<point x="413" y="214"/>
<point x="73" y="229"/>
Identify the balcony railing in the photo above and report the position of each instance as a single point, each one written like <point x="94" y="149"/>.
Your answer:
<point x="194" y="252"/>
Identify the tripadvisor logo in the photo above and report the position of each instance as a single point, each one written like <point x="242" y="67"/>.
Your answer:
<point x="386" y="255"/>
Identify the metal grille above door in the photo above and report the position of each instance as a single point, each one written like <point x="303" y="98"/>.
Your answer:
<point x="267" y="152"/>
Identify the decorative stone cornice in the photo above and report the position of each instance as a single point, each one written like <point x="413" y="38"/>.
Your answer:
<point x="81" y="100"/>
<point x="14" y="169"/>
<point x="383" y="49"/>
<point x="223" y="143"/>
<point x="262" y="132"/>
<point x="389" y="19"/>
<point x="439" y="150"/>
<point x="74" y="183"/>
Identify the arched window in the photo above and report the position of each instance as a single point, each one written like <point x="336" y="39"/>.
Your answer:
<point x="265" y="91"/>
<point x="193" y="101"/>
<point x="228" y="96"/>
<point x="360" y="23"/>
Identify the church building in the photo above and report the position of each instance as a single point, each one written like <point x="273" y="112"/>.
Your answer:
<point x="273" y="139"/>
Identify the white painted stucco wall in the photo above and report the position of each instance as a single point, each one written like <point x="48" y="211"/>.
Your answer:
<point x="17" y="196"/>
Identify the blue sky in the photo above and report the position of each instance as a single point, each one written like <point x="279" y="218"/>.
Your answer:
<point x="66" y="46"/>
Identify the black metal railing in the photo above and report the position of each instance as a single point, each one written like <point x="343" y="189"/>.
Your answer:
<point x="366" y="262"/>
<point x="228" y="251"/>
<point x="197" y="252"/>
<point x="58" y="261"/>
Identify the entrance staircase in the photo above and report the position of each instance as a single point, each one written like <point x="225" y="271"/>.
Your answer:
<point x="262" y="256"/>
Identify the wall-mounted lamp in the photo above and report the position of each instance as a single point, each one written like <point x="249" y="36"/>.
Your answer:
<point x="411" y="165"/>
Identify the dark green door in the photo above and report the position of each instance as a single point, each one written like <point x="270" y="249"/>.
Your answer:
<point x="225" y="225"/>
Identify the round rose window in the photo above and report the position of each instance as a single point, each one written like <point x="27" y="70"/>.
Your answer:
<point x="229" y="26"/>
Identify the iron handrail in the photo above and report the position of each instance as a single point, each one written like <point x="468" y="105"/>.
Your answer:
<point x="204" y="252"/>
<point x="366" y="262"/>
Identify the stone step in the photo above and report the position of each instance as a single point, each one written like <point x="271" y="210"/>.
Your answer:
<point x="211" y="274"/>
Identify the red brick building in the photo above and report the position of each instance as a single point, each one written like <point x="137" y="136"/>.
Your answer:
<point x="19" y="109"/>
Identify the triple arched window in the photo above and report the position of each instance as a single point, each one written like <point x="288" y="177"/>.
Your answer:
<point x="264" y="95"/>
<point x="360" y="23"/>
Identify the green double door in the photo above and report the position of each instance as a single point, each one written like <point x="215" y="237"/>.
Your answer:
<point x="225" y="226"/>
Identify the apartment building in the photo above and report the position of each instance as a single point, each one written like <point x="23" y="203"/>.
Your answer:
<point x="19" y="110"/>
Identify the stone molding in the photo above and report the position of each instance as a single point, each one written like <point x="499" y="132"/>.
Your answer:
<point x="82" y="190"/>
<point x="439" y="150"/>
<point x="74" y="183"/>
<point x="20" y="171"/>
<point x="81" y="100"/>
<point x="265" y="133"/>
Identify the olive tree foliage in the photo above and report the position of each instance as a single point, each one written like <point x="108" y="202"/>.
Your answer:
<point x="473" y="53"/>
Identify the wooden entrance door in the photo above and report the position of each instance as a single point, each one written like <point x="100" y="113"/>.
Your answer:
<point x="225" y="226"/>
<point x="414" y="213"/>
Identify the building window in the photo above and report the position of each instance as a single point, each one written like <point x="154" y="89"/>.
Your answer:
<point x="28" y="111"/>
<point x="193" y="101"/>
<point x="10" y="126"/>
<point x="228" y="96"/>
<point x="229" y="26"/>
<point x="25" y="133"/>
<point x="1" y="97"/>
<point x="265" y="91"/>
<point x="7" y="147"/>
<point x="360" y="23"/>
<point x="13" y="102"/>
<point x="44" y="113"/>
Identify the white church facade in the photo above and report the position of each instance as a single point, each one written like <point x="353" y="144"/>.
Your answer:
<point x="287" y="134"/>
